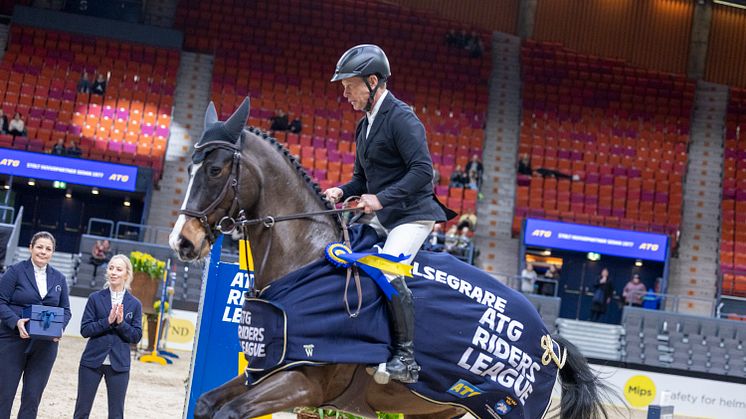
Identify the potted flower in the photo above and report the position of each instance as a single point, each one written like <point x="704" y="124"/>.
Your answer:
<point x="148" y="273"/>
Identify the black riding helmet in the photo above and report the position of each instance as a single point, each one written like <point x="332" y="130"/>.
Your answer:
<point x="363" y="61"/>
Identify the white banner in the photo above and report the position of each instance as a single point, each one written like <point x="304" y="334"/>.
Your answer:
<point x="689" y="396"/>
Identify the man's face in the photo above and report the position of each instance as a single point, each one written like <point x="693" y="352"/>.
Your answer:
<point x="356" y="92"/>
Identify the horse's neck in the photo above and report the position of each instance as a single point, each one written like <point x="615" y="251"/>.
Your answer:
<point x="288" y="245"/>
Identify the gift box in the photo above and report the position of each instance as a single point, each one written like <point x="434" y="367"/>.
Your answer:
<point x="45" y="322"/>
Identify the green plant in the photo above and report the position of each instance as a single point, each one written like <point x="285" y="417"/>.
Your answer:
<point x="144" y="262"/>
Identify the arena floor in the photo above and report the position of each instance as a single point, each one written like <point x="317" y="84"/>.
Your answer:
<point x="155" y="391"/>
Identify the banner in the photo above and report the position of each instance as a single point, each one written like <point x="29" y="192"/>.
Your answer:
<point x="690" y="396"/>
<point x="68" y="169"/>
<point x="606" y="241"/>
<point x="217" y="356"/>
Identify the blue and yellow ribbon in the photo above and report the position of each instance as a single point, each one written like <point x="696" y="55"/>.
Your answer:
<point x="375" y="265"/>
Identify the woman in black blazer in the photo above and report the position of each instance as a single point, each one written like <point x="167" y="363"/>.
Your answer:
<point x="29" y="282"/>
<point x="112" y="320"/>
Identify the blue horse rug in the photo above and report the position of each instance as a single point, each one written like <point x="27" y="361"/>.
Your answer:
<point x="482" y="346"/>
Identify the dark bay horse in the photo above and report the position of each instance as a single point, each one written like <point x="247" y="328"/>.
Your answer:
<point x="235" y="168"/>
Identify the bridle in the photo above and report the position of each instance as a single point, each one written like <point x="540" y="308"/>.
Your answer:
<point x="236" y="219"/>
<point x="233" y="182"/>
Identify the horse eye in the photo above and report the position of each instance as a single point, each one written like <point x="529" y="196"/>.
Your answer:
<point x="215" y="170"/>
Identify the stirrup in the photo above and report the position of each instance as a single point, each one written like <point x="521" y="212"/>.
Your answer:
<point x="383" y="376"/>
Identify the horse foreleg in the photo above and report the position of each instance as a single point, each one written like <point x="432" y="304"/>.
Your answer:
<point x="281" y="391"/>
<point x="208" y="403"/>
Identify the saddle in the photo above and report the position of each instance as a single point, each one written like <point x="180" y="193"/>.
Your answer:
<point x="482" y="345"/>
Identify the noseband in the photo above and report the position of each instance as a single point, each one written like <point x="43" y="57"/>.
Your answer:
<point x="233" y="182"/>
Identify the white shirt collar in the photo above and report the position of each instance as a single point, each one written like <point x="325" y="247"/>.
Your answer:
<point x="38" y="270"/>
<point x="373" y="112"/>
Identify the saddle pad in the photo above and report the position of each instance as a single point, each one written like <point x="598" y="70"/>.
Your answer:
<point x="263" y="334"/>
<point x="479" y="343"/>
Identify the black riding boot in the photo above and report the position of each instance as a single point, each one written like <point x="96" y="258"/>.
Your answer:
<point x="402" y="365"/>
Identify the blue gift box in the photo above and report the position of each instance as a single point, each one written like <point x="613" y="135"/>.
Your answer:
<point x="45" y="322"/>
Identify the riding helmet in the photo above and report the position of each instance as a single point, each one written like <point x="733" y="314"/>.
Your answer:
<point x="362" y="60"/>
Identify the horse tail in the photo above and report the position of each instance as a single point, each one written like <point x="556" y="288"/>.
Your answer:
<point x="583" y="392"/>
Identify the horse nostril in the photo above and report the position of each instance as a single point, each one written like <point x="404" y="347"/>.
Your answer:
<point x="185" y="245"/>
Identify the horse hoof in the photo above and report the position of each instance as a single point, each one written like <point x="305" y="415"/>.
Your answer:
<point x="382" y="376"/>
<point x="370" y="370"/>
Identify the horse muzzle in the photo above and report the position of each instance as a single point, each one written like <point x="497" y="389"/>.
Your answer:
<point x="191" y="241"/>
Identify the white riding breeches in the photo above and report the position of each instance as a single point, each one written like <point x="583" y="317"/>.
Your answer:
<point x="403" y="239"/>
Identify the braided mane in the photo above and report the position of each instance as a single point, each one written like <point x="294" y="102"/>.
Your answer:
<point x="295" y="163"/>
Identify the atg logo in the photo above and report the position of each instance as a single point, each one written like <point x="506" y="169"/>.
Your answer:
<point x="649" y="246"/>
<point x="463" y="389"/>
<point x="119" y="178"/>
<point x="10" y="162"/>
<point x="542" y="233"/>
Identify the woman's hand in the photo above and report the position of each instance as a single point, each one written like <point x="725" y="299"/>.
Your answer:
<point x="113" y="315"/>
<point x="21" y="325"/>
<point x="120" y="313"/>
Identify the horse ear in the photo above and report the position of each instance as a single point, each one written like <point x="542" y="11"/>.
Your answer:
<point x="211" y="115"/>
<point x="236" y="123"/>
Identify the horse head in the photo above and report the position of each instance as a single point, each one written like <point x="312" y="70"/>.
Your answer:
<point x="215" y="176"/>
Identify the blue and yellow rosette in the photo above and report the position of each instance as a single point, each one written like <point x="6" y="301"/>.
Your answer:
<point x="375" y="265"/>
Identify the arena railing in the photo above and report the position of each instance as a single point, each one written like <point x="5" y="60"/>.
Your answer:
<point x="12" y="244"/>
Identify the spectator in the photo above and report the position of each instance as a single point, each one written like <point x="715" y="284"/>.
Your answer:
<point x="463" y="242"/>
<point x="99" y="86"/>
<point x="474" y="45"/>
<point x="458" y="178"/>
<point x="475" y="165"/>
<point x="602" y="292"/>
<point x="296" y="126"/>
<point x="652" y="299"/>
<point x="436" y="241"/>
<point x="551" y="275"/>
<point x="74" y="150"/>
<point x="451" y="239"/>
<point x="473" y="181"/>
<point x="59" y="148"/>
<point x="99" y="254"/>
<point x="3" y="122"/>
<point x="552" y="272"/>
<point x="633" y="291"/>
<point x="528" y="278"/>
<point x="524" y="168"/>
<point x="436" y="176"/>
<point x="452" y="38"/>
<point x="84" y="84"/>
<point x="279" y="122"/>
<point x="468" y="219"/>
<point x="17" y="127"/>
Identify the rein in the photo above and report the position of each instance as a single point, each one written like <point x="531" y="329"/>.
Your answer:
<point x="229" y="224"/>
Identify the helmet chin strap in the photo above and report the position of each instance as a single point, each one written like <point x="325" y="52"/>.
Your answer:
<point x="372" y="91"/>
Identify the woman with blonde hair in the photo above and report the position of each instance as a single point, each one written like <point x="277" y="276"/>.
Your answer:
<point x="112" y="320"/>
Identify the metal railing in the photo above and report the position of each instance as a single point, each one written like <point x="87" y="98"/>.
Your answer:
<point x="12" y="245"/>
<point x="141" y="232"/>
<point x="672" y="302"/>
<point x="99" y="232"/>
<point x="7" y="214"/>
<point x="540" y="284"/>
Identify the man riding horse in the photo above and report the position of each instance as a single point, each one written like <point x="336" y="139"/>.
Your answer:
<point x="393" y="177"/>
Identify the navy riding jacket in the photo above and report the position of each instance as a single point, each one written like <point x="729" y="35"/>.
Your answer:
<point x="393" y="163"/>
<point x="110" y="339"/>
<point x="18" y="290"/>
